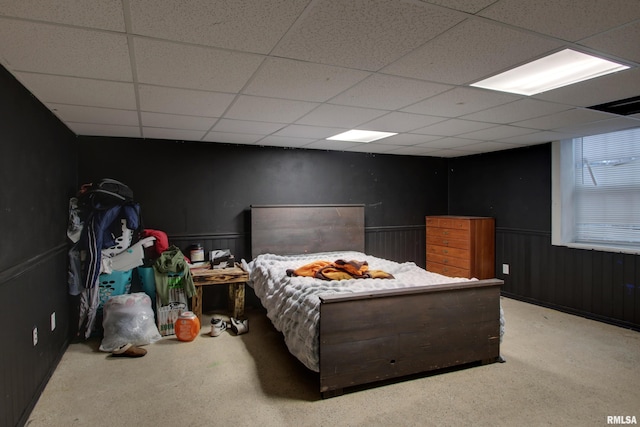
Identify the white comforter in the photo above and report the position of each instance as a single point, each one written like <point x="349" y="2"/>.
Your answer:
<point x="293" y="303"/>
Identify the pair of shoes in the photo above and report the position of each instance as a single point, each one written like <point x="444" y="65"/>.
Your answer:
<point x="128" y="350"/>
<point x="239" y="326"/>
<point x="218" y="326"/>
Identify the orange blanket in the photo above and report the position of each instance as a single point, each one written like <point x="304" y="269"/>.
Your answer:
<point x="339" y="270"/>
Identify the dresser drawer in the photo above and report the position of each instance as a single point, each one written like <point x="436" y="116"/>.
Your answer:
<point x="448" y="251"/>
<point x="450" y="233"/>
<point x="447" y="270"/>
<point x="449" y="260"/>
<point x="447" y="241"/>
<point x="443" y="222"/>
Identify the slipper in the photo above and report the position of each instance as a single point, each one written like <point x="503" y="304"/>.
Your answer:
<point x="128" y="350"/>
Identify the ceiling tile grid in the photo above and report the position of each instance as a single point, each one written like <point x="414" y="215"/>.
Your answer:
<point x="290" y="73"/>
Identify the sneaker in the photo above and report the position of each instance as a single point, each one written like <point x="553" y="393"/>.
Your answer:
<point x="239" y="326"/>
<point x="218" y="326"/>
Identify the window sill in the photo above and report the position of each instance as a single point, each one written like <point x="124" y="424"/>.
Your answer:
<point x="597" y="247"/>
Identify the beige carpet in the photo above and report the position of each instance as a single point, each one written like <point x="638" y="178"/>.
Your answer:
<point x="561" y="370"/>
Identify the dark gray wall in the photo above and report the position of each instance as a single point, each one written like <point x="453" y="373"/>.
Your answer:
<point x="203" y="191"/>
<point x="514" y="186"/>
<point x="38" y="174"/>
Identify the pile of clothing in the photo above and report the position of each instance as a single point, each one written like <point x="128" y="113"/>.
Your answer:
<point x="107" y="236"/>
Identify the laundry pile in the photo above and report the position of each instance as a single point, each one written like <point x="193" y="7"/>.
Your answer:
<point x="108" y="241"/>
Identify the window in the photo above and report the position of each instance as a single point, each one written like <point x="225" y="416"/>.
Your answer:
<point x="596" y="192"/>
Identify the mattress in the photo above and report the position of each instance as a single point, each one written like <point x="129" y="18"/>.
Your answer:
<point x="293" y="303"/>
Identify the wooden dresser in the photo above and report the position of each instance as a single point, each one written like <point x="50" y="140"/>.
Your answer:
<point x="461" y="246"/>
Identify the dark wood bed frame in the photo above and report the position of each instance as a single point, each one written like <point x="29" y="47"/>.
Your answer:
<point x="386" y="334"/>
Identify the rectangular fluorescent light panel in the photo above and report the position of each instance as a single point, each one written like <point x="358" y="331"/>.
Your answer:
<point x="355" y="135"/>
<point x="551" y="72"/>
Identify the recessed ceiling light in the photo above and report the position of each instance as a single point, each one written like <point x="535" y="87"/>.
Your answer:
<point x="551" y="72"/>
<point x="355" y="135"/>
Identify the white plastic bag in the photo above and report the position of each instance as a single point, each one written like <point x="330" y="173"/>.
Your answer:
<point x="128" y="319"/>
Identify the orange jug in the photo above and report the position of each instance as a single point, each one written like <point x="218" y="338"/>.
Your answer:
<point x="187" y="326"/>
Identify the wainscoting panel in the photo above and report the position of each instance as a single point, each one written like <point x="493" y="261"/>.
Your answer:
<point x="600" y="285"/>
<point x="401" y="244"/>
<point x="30" y="292"/>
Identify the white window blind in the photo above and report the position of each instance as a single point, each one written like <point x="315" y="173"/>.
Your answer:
<point x="606" y="193"/>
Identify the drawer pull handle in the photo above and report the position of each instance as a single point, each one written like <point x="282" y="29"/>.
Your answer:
<point x="445" y="251"/>
<point x="446" y="242"/>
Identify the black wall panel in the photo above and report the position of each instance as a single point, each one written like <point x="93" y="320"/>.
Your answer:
<point x="206" y="188"/>
<point x="38" y="174"/>
<point x="514" y="186"/>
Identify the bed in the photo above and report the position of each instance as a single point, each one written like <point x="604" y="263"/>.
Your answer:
<point x="362" y="331"/>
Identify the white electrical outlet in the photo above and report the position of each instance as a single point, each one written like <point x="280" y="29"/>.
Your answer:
<point x="505" y="268"/>
<point x="53" y="321"/>
<point x="35" y="336"/>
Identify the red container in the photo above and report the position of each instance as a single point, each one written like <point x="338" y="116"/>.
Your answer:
<point x="187" y="326"/>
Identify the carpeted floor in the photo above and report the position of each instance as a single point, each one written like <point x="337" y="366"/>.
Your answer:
<point x="561" y="370"/>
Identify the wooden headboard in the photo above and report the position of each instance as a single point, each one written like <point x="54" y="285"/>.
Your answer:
<point x="297" y="229"/>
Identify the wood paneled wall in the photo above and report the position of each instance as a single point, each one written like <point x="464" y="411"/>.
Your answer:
<point x="600" y="285"/>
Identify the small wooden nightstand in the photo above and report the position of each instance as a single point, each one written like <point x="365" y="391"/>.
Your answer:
<point x="235" y="279"/>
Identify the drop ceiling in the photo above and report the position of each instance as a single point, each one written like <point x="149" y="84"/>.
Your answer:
<point x="291" y="73"/>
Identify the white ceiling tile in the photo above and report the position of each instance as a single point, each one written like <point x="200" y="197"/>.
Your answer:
<point x="257" y="108"/>
<point x="613" y="87"/>
<point x="453" y="127"/>
<point x="291" y="79"/>
<point x="292" y="72"/>
<point x="622" y="42"/>
<point x="177" y="134"/>
<point x="409" y="139"/>
<point x="498" y="132"/>
<point x="232" y="138"/>
<point x="104" y="14"/>
<point x="470" y="6"/>
<point x="488" y="146"/>
<point x="363" y="34"/>
<point x="388" y="92"/>
<point x="564" y="118"/>
<point x="285" y="141"/>
<point x="254" y="26"/>
<point x="537" y="138"/>
<point x="339" y="116"/>
<point x="78" y="91"/>
<point x="104" y="130"/>
<point x="193" y="67"/>
<point x="246" y="126"/>
<point x="569" y="20"/>
<point x="300" y="131"/>
<point x="183" y="101"/>
<point x="401" y="122"/>
<point x="517" y="111"/>
<point x="460" y="101"/>
<point x="449" y="142"/>
<point x="109" y="116"/>
<point x="28" y="46"/>
<point x="489" y="47"/>
<point x="603" y="126"/>
<point x="175" y="121"/>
